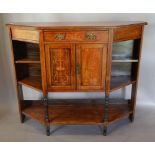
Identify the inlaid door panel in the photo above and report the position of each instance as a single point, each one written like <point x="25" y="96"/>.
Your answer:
<point x="91" y="66"/>
<point x="60" y="62"/>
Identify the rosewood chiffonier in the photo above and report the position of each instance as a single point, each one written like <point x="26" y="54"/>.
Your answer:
<point x="76" y="57"/>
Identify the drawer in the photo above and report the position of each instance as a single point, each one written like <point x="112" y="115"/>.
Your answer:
<point x="126" y="33"/>
<point x="76" y="36"/>
<point x="25" y="35"/>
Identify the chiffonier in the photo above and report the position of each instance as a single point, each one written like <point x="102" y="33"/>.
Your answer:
<point x="76" y="57"/>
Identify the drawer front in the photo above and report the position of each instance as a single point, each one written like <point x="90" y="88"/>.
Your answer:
<point x="78" y="36"/>
<point x="126" y="33"/>
<point x="26" y="35"/>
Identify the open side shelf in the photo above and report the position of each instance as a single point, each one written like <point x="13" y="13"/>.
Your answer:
<point x="118" y="82"/>
<point x="28" y="60"/>
<point x="77" y="111"/>
<point x="25" y="52"/>
<point x="33" y="82"/>
<point x="125" y="60"/>
<point x="27" y="64"/>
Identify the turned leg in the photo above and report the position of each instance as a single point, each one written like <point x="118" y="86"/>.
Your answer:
<point x="133" y="102"/>
<point x="48" y="130"/>
<point x="131" y="117"/>
<point x="22" y="118"/>
<point x="104" y="130"/>
<point x="45" y="101"/>
<point x="106" y="113"/>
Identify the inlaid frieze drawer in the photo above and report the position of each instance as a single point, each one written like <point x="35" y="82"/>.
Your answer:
<point x="76" y="36"/>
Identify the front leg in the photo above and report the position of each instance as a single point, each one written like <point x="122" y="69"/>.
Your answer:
<point x="22" y="118"/>
<point x="45" y="102"/>
<point x="106" y="114"/>
<point x="131" y="117"/>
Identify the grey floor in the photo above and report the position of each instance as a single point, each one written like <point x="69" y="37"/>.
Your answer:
<point x="143" y="128"/>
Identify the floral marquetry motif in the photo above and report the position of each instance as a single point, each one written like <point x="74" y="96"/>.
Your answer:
<point x="60" y="66"/>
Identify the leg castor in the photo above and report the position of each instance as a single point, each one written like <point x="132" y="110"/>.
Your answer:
<point x="131" y="117"/>
<point x="104" y="130"/>
<point x="22" y="118"/>
<point x="47" y="131"/>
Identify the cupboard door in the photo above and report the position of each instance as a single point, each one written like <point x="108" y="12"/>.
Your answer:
<point x="91" y="66"/>
<point x="60" y="61"/>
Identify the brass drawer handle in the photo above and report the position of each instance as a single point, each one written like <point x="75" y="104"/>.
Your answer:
<point x="60" y="36"/>
<point x="91" y="36"/>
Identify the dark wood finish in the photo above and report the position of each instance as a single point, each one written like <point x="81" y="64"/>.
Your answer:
<point x="78" y="111"/>
<point x="27" y="70"/>
<point x="106" y="114"/>
<point x="27" y="51"/>
<point x="76" y="57"/>
<point x="47" y="120"/>
<point x="91" y="63"/>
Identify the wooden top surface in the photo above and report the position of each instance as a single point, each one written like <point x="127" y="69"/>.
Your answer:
<point x="72" y="25"/>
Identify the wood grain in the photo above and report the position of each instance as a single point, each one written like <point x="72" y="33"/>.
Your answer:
<point x="92" y="66"/>
<point x="25" y="35"/>
<point x="76" y="36"/>
<point x="25" y="50"/>
<point x="75" y="25"/>
<point x="60" y="63"/>
<point x="78" y="111"/>
<point x="33" y="82"/>
<point x="77" y="57"/>
<point x="127" y="33"/>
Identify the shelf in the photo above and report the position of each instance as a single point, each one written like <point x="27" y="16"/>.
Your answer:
<point x="118" y="82"/>
<point x="124" y="60"/>
<point x="25" y="52"/>
<point x="32" y="82"/>
<point x="28" y="60"/>
<point x="77" y="111"/>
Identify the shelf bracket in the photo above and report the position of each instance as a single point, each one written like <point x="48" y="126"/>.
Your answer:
<point x="45" y="102"/>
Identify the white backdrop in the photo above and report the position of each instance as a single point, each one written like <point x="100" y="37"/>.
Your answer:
<point x="146" y="90"/>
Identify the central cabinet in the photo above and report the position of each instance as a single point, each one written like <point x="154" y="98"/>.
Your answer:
<point x="76" y="67"/>
<point x="76" y="57"/>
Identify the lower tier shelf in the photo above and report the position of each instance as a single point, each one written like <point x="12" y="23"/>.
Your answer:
<point x="77" y="111"/>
